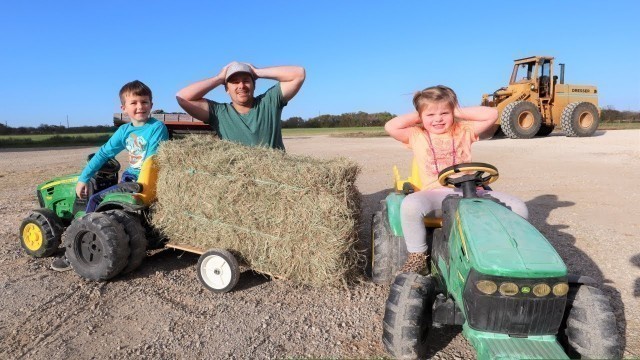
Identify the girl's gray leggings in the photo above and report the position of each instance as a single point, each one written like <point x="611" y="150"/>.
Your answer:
<point x="429" y="203"/>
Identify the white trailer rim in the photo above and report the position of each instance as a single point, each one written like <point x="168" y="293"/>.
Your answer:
<point x="215" y="271"/>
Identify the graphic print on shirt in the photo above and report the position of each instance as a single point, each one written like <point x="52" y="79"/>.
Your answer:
<point x="137" y="148"/>
<point x="443" y="154"/>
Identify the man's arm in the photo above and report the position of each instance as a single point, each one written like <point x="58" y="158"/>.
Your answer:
<point x="290" y="78"/>
<point x="191" y="98"/>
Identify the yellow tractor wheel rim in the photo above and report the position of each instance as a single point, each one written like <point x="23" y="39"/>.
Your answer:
<point x="32" y="237"/>
<point x="585" y="120"/>
<point x="525" y="120"/>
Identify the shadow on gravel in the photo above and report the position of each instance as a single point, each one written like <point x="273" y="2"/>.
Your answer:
<point x="164" y="260"/>
<point x="577" y="261"/>
<point x="635" y="260"/>
<point x="169" y="260"/>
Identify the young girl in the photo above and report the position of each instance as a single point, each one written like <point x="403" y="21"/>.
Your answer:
<point x="443" y="139"/>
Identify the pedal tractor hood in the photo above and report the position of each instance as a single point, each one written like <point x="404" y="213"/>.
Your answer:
<point x="497" y="241"/>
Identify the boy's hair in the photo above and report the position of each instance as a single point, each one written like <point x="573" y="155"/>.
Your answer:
<point x="438" y="93"/>
<point x="135" y="87"/>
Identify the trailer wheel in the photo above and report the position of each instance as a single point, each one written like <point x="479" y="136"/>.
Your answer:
<point x="40" y="233"/>
<point x="137" y="238"/>
<point x="218" y="270"/>
<point x="580" y="119"/>
<point x="545" y="130"/>
<point x="520" y="120"/>
<point x="588" y="327"/>
<point x="407" y="316"/>
<point x="97" y="246"/>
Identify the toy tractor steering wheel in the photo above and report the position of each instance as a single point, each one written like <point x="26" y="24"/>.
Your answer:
<point x="474" y="173"/>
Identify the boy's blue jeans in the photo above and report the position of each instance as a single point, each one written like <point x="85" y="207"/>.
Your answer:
<point x="96" y="198"/>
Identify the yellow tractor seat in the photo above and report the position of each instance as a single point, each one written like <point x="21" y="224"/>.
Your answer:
<point x="148" y="178"/>
<point x="413" y="184"/>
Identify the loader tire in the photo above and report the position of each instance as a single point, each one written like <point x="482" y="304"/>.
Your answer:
<point x="408" y="316"/>
<point x="580" y="119"/>
<point x="137" y="238"/>
<point x="520" y="120"/>
<point x="97" y="246"/>
<point x="588" y="329"/>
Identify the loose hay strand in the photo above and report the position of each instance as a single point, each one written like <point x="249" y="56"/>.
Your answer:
<point x="290" y="216"/>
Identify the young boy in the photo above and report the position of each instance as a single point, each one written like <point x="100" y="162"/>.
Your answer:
<point x="140" y="138"/>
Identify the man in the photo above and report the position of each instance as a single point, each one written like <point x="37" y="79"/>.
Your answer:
<point x="249" y="120"/>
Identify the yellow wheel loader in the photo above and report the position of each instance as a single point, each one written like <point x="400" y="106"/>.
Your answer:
<point x="536" y="102"/>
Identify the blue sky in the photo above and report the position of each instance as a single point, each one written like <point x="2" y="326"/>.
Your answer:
<point x="70" y="58"/>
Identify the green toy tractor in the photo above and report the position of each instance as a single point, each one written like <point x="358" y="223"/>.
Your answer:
<point x="115" y="237"/>
<point x="492" y="273"/>
<point x="101" y="244"/>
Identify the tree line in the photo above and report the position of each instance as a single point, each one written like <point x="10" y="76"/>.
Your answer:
<point x="355" y="119"/>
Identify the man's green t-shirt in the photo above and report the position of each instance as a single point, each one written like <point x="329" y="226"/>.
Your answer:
<point x="259" y="127"/>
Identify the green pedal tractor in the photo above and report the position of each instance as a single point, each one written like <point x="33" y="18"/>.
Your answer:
<point x="113" y="239"/>
<point x="101" y="244"/>
<point x="492" y="273"/>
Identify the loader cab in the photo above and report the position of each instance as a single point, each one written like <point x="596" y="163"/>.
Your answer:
<point x="536" y="71"/>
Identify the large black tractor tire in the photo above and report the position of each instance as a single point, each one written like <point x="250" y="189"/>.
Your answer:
<point x="580" y="119"/>
<point x="545" y="130"/>
<point x="388" y="252"/>
<point x="97" y="246"/>
<point x="137" y="238"/>
<point x="588" y="328"/>
<point x="408" y="316"/>
<point x="520" y="120"/>
<point x="40" y="233"/>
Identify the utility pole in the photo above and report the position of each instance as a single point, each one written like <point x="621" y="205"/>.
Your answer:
<point x="67" y="121"/>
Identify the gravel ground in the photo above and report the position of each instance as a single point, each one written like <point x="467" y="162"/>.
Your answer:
<point x="580" y="192"/>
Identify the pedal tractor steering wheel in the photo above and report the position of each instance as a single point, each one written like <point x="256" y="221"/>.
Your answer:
<point x="473" y="174"/>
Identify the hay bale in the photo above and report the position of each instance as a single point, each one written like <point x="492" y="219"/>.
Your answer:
<point x="289" y="216"/>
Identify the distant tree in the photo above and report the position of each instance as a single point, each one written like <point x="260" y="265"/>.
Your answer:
<point x="159" y="111"/>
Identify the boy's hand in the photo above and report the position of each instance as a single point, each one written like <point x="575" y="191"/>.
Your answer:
<point x="81" y="190"/>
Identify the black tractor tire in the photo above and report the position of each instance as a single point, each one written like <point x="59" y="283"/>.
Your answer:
<point x="408" y="316"/>
<point x="580" y="119"/>
<point x="588" y="329"/>
<point x="520" y="120"/>
<point x="41" y="232"/>
<point x="388" y="251"/>
<point x="545" y="130"/>
<point x="97" y="246"/>
<point x="137" y="238"/>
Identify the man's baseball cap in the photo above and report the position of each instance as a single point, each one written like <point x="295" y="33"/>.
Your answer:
<point x="237" y="67"/>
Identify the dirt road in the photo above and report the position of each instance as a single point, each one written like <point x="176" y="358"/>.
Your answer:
<point x="582" y="194"/>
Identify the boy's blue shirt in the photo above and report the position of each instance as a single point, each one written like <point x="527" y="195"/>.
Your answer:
<point x="141" y="142"/>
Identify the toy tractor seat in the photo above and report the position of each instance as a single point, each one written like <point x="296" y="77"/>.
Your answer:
<point x="411" y="185"/>
<point x="142" y="192"/>
<point x="145" y="187"/>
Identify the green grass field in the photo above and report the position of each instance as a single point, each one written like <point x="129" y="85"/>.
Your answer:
<point x="27" y="141"/>
<point x="348" y="131"/>
<point x="53" y="140"/>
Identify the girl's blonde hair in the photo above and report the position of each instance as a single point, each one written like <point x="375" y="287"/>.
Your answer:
<point x="438" y="93"/>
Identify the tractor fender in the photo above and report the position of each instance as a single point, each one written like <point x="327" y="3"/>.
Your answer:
<point x="580" y="279"/>
<point x="113" y="205"/>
